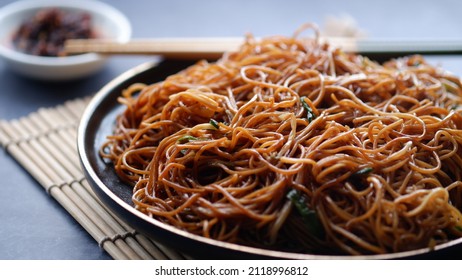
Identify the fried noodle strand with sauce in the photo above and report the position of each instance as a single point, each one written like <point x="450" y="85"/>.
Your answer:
<point x="291" y="144"/>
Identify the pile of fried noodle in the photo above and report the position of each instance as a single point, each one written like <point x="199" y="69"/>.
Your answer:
<point x="292" y="144"/>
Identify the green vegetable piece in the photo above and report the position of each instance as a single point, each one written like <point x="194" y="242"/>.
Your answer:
<point x="459" y="228"/>
<point x="310" y="115"/>
<point x="186" y="139"/>
<point x="359" y="178"/>
<point x="364" y="171"/>
<point x="214" y="123"/>
<point x="309" y="216"/>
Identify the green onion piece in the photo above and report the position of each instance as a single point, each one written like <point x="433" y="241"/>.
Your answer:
<point x="359" y="178"/>
<point x="310" y="115"/>
<point x="309" y="216"/>
<point x="364" y="171"/>
<point x="459" y="228"/>
<point x="186" y="139"/>
<point x="214" y="123"/>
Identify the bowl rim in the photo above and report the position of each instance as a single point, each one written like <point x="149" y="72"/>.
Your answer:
<point x="91" y="6"/>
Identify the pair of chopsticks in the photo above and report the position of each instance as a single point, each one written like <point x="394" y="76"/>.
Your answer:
<point x="213" y="48"/>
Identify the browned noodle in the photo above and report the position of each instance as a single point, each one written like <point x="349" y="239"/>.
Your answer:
<point x="294" y="145"/>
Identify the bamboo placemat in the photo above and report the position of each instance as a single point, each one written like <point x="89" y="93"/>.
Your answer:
<point x="44" y="143"/>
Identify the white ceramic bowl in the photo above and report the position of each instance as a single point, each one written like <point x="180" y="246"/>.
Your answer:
<point x="108" y="21"/>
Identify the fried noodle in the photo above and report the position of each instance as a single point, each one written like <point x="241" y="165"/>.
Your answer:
<point x="292" y="144"/>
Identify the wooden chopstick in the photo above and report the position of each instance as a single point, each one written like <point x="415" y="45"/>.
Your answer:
<point x="176" y="48"/>
<point x="213" y="48"/>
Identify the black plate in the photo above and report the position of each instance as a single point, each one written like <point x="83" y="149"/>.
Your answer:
<point x="98" y="121"/>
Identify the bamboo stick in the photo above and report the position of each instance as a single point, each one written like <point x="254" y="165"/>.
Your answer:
<point x="56" y="123"/>
<point x="45" y="135"/>
<point x="65" y="179"/>
<point x="148" y="244"/>
<point x="31" y="162"/>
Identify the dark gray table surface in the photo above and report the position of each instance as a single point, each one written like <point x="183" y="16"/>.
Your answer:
<point x="34" y="226"/>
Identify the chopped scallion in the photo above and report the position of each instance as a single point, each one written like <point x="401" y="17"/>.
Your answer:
<point x="186" y="139"/>
<point x="308" y="215"/>
<point x="310" y="115"/>
<point x="214" y="123"/>
<point x="364" y="171"/>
